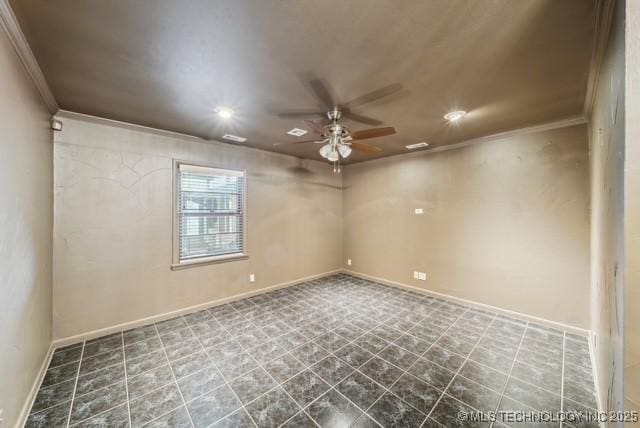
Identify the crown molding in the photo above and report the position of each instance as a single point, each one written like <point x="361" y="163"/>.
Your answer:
<point x="604" y="21"/>
<point x="547" y="126"/>
<point x="10" y="25"/>
<point x="67" y="114"/>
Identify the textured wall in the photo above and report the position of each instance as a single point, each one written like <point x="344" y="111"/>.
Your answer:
<point x="506" y="222"/>
<point x="25" y="232"/>
<point x="606" y="140"/>
<point x="113" y="225"/>
<point x="632" y="210"/>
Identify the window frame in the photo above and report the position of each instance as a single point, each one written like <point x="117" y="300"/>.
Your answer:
<point x="176" y="262"/>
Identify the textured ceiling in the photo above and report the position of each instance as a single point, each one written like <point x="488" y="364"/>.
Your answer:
<point x="167" y="64"/>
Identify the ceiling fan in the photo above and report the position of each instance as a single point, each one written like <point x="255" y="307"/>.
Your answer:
<point x="338" y="140"/>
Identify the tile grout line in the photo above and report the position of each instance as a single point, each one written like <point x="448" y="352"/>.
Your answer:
<point x="162" y="415"/>
<point x="406" y="371"/>
<point x="126" y="380"/>
<point x="117" y="405"/>
<point x="102" y="412"/>
<point x="444" y="390"/>
<point x="471" y="380"/>
<point x="219" y="371"/>
<point x="160" y="387"/>
<point x="113" y="365"/>
<point x="75" y="386"/>
<point x="388" y="389"/>
<point x="333" y="388"/>
<point x="269" y="374"/>
<point x="156" y="389"/>
<point x="434" y="344"/>
<point x="377" y="355"/>
<point x="308" y="367"/>
<point x="374" y="355"/>
<point x="330" y="353"/>
<point x="515" y="358"/>
<point x="172" y="373"/>
<point x="224" y="377"/>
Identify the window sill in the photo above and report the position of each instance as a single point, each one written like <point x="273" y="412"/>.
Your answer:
<point x="209" y="261"/>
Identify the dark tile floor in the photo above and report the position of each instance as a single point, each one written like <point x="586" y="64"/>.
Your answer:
<point x="337" y="351"/>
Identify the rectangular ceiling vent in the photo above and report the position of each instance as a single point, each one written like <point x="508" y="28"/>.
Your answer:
<point x="235" y="138"/>
<point x="417" y="145"/>
<point x="297" y="132"/>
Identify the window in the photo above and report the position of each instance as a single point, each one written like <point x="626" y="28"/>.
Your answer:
<point x="209" y="212"/>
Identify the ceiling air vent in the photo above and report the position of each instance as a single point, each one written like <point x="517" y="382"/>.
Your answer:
<point x="235" y="138"/>
<point x="417" y="145"/>
<point x="297" y="132"/>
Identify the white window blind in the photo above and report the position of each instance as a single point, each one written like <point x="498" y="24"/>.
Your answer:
<point x="210" y="210"/>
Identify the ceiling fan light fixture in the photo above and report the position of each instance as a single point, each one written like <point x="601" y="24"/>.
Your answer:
<point x="344" y="150"/>
<point x="325" y="150"/>
<point x="454" y="116"/>
<point x="333" y="155"/>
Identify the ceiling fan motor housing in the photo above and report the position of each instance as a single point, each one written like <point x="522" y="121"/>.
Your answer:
<point x="334" y="115"/>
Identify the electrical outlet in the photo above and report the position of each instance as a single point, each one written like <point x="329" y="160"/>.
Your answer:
<point x="348" y="262"/>
<point x="419" y="211"/>
<point x="252" y="277"/>
<point x="416" y="274"/>
<point x="422" y="276"/>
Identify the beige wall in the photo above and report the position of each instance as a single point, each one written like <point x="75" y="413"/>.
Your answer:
<point x="25" y="232"/>
<point x="606" y="140"/>
<point x="113" y="218"/>
<point x="505" y="222"/>
<point x="632" y="210"/>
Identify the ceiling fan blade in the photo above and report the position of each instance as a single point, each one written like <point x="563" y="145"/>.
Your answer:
<point x="373" y="133"/>
<point x="318" y="128"/>
<point x="301" y="113"/>
<point x="374" y="95"/>
<point x="366" y="148"/>
<point x="361" y="118"/>
<point x="323" y="93"/>
<point x="297" y="142"/>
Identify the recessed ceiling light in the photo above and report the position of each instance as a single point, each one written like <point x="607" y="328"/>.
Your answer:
<point x="455" y="116"/>
<point x="224" y="112"/>
<point x="235" y="138"/>
<point x="417" y="145"/>
<point x="297" y="132"/>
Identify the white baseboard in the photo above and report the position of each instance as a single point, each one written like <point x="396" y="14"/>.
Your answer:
<point x="507" y="312"/>
<point x="35" y="387"/>
<point x="161" y="317"/>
